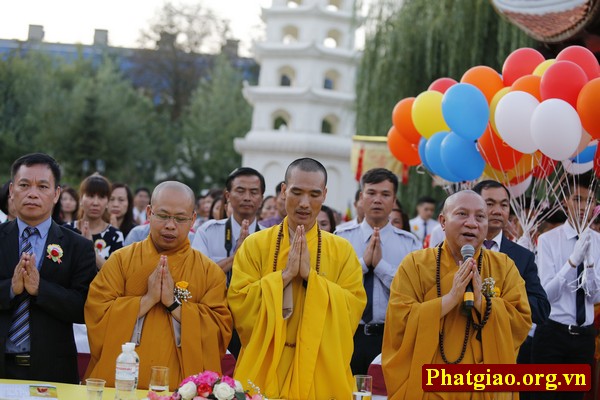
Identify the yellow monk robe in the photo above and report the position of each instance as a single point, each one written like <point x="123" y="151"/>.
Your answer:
<point x="306" y="356"/>
<point x="412" y="326"/>
<point x="113" y="304"/>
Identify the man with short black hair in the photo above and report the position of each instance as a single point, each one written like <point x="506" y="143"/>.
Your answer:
<point x="423" y="224"/>
<point x="497" y="199"/>
<point x="380" y="247"/>
<point x="567" y="259"/>
<point x="220" y="239"/>
<point x="45" y="273"/>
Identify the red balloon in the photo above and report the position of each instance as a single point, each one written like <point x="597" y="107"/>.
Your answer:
<point x="404" y="151"/>
<point x="402" y="120"/>
<point x="442" y="84"/>
<point x="496" y="152"/>
<point x="519" y="63"/>
<point x="545" y="166"/>
<point x="563" y="80"/>
<point x="582" y="57"/>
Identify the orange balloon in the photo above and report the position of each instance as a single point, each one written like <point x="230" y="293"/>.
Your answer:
<point x="529" y="84"/>
<point x="587" y="107"/>
<point x="517" y="174"/>
<point x="404" y="151"/>
<point x="496" y="152"/>
<point x="485" y="79"/>
<point x="402" y="120"/>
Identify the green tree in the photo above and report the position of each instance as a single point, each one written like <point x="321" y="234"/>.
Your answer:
<point x="409" y="46"/>
<point x="218" y="113"/>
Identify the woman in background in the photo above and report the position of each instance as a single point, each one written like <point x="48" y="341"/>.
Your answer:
<point x="326" y="219"/>
<point x="94" y="193"/>
<point x="120" y="207"/>
<point x="69" y="204"/>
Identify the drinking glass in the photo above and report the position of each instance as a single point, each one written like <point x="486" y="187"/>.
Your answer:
<point x="159" y="379"/>
<point x="364" y="386"/>
<point x="95" y="388"/>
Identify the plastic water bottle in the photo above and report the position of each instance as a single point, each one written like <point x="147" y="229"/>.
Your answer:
<point x="127" y="373"/>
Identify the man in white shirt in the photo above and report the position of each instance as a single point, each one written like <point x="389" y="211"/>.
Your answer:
<point x="380" y="247"/>
<point x="567" y="259"/>
<point x="497" y="199"/>
<point x="423" y="224"/>
<point x="219" y="239"/>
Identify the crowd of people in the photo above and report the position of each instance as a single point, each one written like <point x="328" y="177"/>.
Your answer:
<point x="301" y="300"/>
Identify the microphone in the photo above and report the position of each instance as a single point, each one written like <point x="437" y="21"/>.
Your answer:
<point x="468" y="251"/>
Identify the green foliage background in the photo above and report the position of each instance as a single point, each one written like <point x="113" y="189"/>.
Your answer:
<point x="409" y="46"/>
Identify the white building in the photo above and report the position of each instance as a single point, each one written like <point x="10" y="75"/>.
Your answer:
<point x="305" y="98"/>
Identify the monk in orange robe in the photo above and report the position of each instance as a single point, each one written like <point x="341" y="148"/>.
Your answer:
<point x="417" y="317"/>
<point x="133" y="298"/>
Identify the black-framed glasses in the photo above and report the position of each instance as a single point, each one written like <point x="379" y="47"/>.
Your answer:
<point x="166" y="217"/>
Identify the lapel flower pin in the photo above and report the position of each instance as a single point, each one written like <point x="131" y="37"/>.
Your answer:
<point x="489" y="288"/>
<point x="55" y="253"/>
<point x="100" y="244"/>
<point x="181" y="291"/>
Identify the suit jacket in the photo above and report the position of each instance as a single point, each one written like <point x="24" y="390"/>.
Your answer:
<point x="59" y="303"/>
<point x="525" y="262"/>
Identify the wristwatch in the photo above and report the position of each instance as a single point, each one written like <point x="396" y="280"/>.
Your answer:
<point x="173" y="306"/>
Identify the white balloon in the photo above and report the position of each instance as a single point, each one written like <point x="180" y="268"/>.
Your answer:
<point x="520" y="188"/>
<point x="556" y="129"/>
<point x="575" y="168"/>
<point x="513" y="120"/>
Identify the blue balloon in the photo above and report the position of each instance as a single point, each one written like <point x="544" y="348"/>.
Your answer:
<point x="422" y="144"/>
<point x="586" y="155"/>
<point x="434" y="157"/>
<point x="465" y="110"/>
<point x="461" y="157"/>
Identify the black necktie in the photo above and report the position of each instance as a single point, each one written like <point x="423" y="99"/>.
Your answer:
<point x="424" y="229"/>
<point x="579" y="296"/>
<point x="18" y="332"/>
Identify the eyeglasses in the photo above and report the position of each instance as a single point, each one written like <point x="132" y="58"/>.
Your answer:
<point x="176" y="219"/>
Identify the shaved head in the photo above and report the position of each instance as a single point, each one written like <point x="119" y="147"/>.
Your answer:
<point x="175" y="186"/>
<point x="455" y="199"/>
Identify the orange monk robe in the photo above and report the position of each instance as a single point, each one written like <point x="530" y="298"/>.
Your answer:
<point x="113" y="304"/>
<point x="306" y="356"/>
<point x="413" y="323"/>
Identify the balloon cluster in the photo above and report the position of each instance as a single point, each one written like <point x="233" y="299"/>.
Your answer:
<point x="508" y="126"/>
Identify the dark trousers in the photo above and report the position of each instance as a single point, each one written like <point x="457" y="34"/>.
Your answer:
<point x="524" y="357"/>
<point x="552" y="345"/>
<point x="14" y="371"/>
<point x="234" y="344"/>
<point x="366" y="348"/>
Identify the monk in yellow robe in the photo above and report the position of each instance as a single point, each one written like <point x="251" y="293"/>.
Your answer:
<point x="133" y="299"/>
<point x="416" y="314"/>
<point x="297" y="296"/>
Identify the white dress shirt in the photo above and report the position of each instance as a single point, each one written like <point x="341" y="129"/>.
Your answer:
<point x="210" y="238"/>
<point x="395" y="245"/>
<point x="422" y="228"/>
<point x="559" y="279"/>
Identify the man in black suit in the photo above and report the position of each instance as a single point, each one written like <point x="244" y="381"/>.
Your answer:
<point x="45" y="272"/>
<point x="497" y="198"/>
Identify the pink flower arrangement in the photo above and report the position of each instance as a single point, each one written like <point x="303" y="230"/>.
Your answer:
<point x="208" y="385"/>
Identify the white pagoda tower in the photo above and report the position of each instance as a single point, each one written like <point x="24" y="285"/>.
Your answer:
<point x="305" y="98"/>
